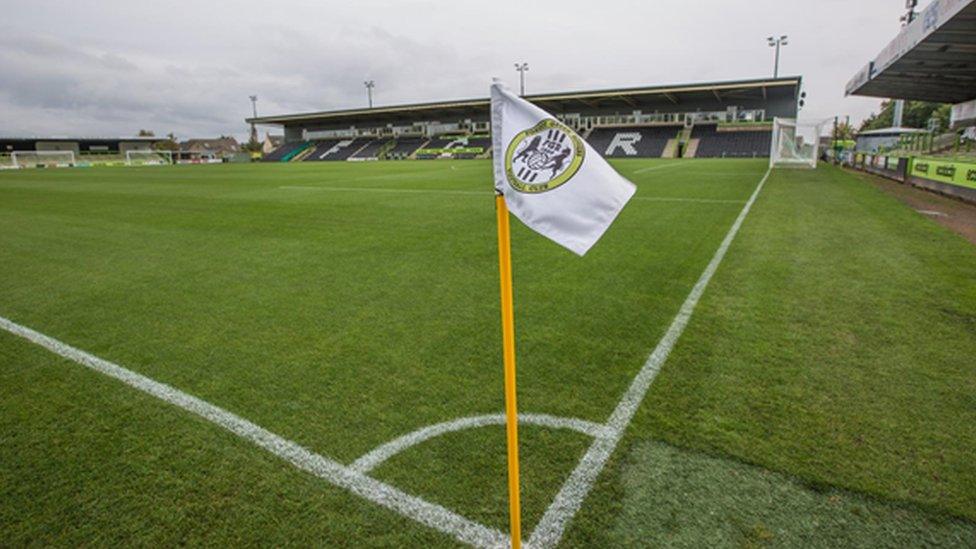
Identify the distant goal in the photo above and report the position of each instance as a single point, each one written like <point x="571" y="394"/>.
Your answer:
<point x="796" y="144"/>
<point x="148" y="158"/>
<point x="42" y="159"/>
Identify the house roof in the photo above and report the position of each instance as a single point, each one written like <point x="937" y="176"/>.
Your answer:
<point x="217" y="144"/>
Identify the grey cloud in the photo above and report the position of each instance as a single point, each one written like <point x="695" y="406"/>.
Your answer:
<point x="118" y="66"/>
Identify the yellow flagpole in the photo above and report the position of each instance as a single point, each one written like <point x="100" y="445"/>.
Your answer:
<point x="508" y="346"/>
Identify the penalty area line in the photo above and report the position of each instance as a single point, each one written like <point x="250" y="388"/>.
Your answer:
<point x="424" y="512"/>
<point x="549" y="531"/>
<point x="660" y="167"/>
<point x="383" y="190"/>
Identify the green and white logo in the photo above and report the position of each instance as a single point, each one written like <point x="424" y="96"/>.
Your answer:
<point x="543" y="157"/>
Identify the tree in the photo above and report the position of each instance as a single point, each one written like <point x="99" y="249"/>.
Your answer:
<point x="146" y="133"/>
<point x="253" y="145"/>
<point x="168" y="144"/>
<point x="844" y="132"/>
<point x="917" y="115"/>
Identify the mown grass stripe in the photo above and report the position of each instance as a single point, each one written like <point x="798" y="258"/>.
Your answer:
<point x="570" y="497"/>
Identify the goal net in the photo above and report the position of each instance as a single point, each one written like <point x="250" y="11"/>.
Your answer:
<point x="795" y="143"/>
<point x="148" y="158"/>
<point x="197" y="157"/>
<point x="42" y="159"/>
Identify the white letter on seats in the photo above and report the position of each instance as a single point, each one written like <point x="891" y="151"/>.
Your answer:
<point x="624" y="141"/>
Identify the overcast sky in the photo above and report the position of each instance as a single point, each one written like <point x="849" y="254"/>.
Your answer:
<point x="112" y="67"/>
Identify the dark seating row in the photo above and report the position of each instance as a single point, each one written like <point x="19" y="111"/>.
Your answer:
<point x="371" y="149"/>
<point x="643" y="142"/>
<point x="281" y="152"/>
<point x="405" y="146"/>
<point x="731" y="144"/>
<point x="334" y="149"/>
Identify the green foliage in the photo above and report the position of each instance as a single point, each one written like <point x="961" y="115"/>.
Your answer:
<point x="168" y="144"/>
<point x="917" y="115"/>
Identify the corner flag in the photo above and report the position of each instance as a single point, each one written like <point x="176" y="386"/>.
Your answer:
<point x="561" y="188"/>
<point x="551" y="179"/>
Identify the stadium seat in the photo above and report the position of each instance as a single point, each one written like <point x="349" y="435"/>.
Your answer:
<point x="742" y="143"/>
<point x="334" y="149"/>
<point x="405" y="146"/>
<point x="632" y="142"/>
<point x="283" y="152"/>
<point x="371" y="149"/>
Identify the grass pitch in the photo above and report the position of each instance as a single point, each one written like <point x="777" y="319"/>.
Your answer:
<point x="344" y="305"/>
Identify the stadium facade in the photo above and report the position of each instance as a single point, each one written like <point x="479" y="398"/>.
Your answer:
<point x="729" y="118"/>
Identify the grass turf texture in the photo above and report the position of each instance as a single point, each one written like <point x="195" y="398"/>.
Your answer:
<point x="342" y="319"/>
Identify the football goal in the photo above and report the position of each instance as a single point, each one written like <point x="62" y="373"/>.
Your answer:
<point x="148" y="157"/>
<point x="795" y="144"/>
<point x="42" y="159"/>
<point x="197" y="157"/>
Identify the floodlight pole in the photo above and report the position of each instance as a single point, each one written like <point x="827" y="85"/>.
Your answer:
<point x="522" y="68"/>
<point x="369" y="91"/>
<point x="906" y="20"/>
<point x="254" y="109"/>
<point x="777" y="43"/>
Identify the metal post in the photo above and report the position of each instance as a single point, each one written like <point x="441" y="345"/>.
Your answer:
<point x="522" y="68"/>
<point x="777" y="43"/>
<point x="369" y="91"/>
<point x="254" y="109"/>
<point x="776" y="64"/>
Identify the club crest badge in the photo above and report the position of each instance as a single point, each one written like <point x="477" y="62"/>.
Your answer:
<point x="543" y="157"/>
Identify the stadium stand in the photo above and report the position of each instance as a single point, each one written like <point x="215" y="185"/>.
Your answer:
<point x="406" y="146"/>
<point x="334" y="149"/>
<point x="480" y="142"/>
<point x="454" y="146"/>
<point x="319" y="149"/>
<point x="631" y="142"/>
<point x="647" y="121"/>
<point x="284" y="152"/>
<point x="440" y="143"/>
<point x="713" y="143"/>
<point x="372" y="149"/>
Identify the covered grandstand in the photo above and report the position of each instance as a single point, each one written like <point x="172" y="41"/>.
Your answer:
<point x="70" y="151"/>
<point x="78" y="145"/>
<point x="733" y="117"/>
<point x="932" y="59"/>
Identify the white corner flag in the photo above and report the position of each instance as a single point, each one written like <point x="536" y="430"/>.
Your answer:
<point x="551" y="179"/>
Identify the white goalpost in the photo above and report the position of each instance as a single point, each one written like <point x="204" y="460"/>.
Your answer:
<point x="148" y="157"/>
<point x="197" y="157"/>
<point x="36" y="159"/>
<point x="795" y="144"/>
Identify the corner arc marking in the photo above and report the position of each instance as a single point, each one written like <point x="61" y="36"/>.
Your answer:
<point x="380" y="454"/>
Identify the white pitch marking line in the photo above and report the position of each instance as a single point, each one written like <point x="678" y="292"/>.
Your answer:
<point x="382" y="190"/>
<point x="377" y="456"/>
<point x="702" y="200"/>
<point x="484" y="194"/>
<point x="661" y="167"/>
<point x="549" y="530"/>
<point x="383" y="494"/>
